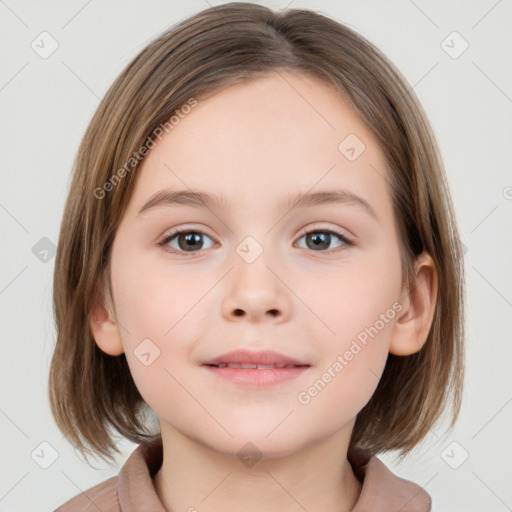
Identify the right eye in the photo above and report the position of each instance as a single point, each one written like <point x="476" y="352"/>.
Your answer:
<point x="184" y="241"/>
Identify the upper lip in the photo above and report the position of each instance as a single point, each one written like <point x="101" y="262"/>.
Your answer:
<point x="268" y="357"/>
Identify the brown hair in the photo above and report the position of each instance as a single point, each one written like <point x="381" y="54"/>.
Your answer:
<point x="92" y="392"/>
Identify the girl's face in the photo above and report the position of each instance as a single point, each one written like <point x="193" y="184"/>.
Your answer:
<point x="247" y="276"/>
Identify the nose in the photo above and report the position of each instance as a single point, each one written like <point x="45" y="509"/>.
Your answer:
<point x="256" y="293"/>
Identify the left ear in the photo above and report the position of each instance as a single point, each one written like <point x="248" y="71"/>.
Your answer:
<point x="415" y="319"/>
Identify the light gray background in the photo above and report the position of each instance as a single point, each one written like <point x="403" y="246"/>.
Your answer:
<point x="46" y="105"/>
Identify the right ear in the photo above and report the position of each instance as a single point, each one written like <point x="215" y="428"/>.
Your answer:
<point x="104" y="328"/>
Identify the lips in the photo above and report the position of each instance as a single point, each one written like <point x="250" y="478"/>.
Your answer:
<point x="255" y="370"/>
<point x="263" y="360"/>
<point x="254" y="366"/>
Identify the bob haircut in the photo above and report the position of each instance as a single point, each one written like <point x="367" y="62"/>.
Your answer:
<point x="92" y="392"/>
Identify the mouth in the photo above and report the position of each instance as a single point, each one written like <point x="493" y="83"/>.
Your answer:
<point x="263" y="359"/>
<point x="247" y="366"/>
<point x="255" y="369"/>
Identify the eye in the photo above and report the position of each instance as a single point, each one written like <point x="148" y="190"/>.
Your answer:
<point x="184" y="241"/>
<point x="320" y="239"/>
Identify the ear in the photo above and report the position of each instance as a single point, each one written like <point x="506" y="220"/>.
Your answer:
<point x="413" y="325"/>
<point x="104" y="327"/>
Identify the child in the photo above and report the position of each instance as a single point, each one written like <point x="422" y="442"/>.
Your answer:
<point x="318" y="323"/>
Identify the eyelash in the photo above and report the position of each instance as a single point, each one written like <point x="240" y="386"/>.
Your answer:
<point x="167" y="238"/>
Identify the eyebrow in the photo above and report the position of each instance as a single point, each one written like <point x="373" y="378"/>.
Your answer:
<point x="196" y="198"/>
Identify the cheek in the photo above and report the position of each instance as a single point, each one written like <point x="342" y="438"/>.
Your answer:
<point x="358" y="307"/>
<point x="352" y="362"/>
<point x="354" y="297"/>
<point x="153" y="302"/>
<point x="159" y="314"/>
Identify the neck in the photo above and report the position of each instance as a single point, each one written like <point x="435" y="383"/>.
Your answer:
<point x="196" y="477"/>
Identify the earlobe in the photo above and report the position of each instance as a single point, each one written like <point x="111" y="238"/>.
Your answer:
<point x="105" y="330"/>
<point x="413" y="325"/>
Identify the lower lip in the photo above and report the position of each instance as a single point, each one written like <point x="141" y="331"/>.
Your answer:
<point x="257" y="378"/>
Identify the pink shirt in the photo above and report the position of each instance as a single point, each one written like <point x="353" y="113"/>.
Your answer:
<point x="133" y="490"/>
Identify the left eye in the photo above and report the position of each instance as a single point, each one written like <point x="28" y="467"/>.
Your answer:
<point x="321" y="239"/>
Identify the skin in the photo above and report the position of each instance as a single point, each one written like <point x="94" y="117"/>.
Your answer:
<point x="256" y="144"/>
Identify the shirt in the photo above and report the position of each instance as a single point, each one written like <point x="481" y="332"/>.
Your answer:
<point x="133" y="489"/>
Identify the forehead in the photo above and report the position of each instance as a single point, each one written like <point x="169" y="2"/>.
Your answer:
<point x="266" y="138"/>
